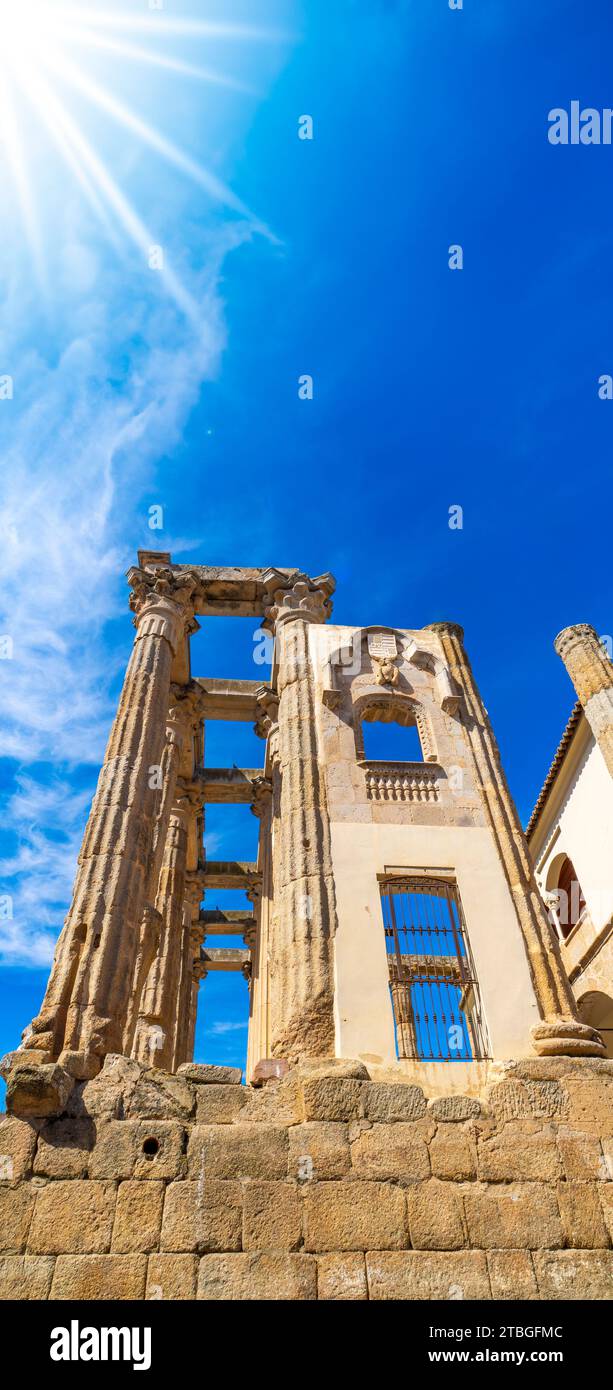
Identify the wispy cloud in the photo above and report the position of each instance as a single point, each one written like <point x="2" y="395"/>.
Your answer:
<point x="90" y="418"/>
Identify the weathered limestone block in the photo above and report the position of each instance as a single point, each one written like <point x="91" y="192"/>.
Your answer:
<point x="332" y="1098"/>
<point x="277" y="1103"/>
<point x="113" y="1154"/>
<point x="38" y="1090"/>
<point x="435" y="1215"/>
<point x="582" y="1156"/>
<point x="138" y="1218"/>
<point x="319" y="1150"/>
<point x="341" y="1277"/>
<point x="339" y="1068"/>
<point x="238" y="1151"/>
<point x="517" y="1216"/>
<point x="271" y="1277"/>
<point x="390" y="1151"/>
<point x="582" y="1218"/>
<point x="204" y="1074"/>
<point x="16" y="1204"/>
<point x="72" y="1218"/>
<point x="520" y="1153"/>
<point x="219" y="1105"/>
<point x="169" y="1159"/>
<point x="25" y="1277"/>
<point x="272" y="1216"/>
<point x="171" y="1277"/>
<point x="203" y="1215"/>
<point x="512" y="1274"/>
<point x="386" y="1101"/>
<point x="64" y="1148"/>
<point x="605" y="1193"/>
<point x="354" y="1216"/>
<point x="574" y="1274"/>
<point x="17" y="1148"/>
<point x="548" y="1098"/>
<point x="591" y="1103"/>
<point x="108" y="1095"/>
<point x="158" y="1095"/>
<point x="425" y="1275"/>
<point x="98" y="1278"/>
<point x="509" y="1100"/>
<point x="454" y="1109"/>
<point x="453" y="1153"/>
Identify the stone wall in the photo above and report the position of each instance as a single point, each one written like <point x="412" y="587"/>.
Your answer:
<point x="323" y="1185"/>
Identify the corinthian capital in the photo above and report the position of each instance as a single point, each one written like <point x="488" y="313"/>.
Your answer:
<point x="298" y="597"/>
<point x="162" y="603"/>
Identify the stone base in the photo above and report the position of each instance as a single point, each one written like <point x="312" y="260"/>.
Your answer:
<point x="564" y="1037"/>
<point x="324" y="1184"/>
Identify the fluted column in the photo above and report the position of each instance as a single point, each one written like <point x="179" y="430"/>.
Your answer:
<point x="591" y="673"/>
<point x="560" y="1033"/>
<point x="403" y="1016"/>
<point x="86" y="1004"/>
<point x="191" y="941"/>
<point x="155" y="1030"/>
<point x="302" y="936"/>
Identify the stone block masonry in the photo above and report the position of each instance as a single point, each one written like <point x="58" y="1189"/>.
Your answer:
<point x="322" y="1185"/>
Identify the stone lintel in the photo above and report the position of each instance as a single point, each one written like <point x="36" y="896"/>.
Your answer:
<point x="230" y="873"/>
<point x="222" y="698"/>
<point x="228" y="784"/>
<point x="218" y="923"/>
<point x="225" y="958"/>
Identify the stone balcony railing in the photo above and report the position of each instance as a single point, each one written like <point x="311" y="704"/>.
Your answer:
<point x="388" y="781"/>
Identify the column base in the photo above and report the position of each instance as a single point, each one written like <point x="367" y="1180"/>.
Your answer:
<point x="566" y="1037"/>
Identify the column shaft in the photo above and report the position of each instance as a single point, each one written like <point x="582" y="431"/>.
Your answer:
<point x="561" y="1033"/>
<point x="591" y="673"/>
<point x="86" y="1004"/>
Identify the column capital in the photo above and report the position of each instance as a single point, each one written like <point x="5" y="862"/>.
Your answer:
<point x="298" y="597"/>
<point x="585" y="659"/>
<point x="162" y="603"/>
<point x="447" y="629"/>
<point x="262" y="792"/>
<point x="267" y="702"/>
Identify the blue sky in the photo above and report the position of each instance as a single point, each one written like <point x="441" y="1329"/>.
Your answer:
<point x="432" y="388"/>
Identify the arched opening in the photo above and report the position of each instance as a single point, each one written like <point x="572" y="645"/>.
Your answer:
<point x="570" y="901"/>
<point x="596" y="1009"/>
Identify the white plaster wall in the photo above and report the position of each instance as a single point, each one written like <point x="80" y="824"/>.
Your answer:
<point x="360" y="851"/>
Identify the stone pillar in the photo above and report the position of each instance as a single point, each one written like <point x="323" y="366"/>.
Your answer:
<point x="199" y="972"/>
<point x="591" y="673"/>
<point x="191" y="940"/>
<point x="403" y="1017"/>
<point x="179" y="727"/>
<point x="156" y="1028"/>
<point x="85" y="1009"/>
<point x="301" y="941"/>
<point x="560" y="1033"/>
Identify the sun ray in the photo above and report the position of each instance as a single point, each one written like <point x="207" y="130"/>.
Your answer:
<point x="159" y="60"/>
<point x="155" y="24"/>
<point x="11" y="139"/>
<point x="212" y="185"/>
<point x="134" y="226"/>
<point x="38" y="42"/>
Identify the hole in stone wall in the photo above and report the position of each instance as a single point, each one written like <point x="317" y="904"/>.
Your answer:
<point x="151" y="1147"/>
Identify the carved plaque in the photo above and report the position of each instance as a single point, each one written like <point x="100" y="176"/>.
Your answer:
<point x="382" y="645"/>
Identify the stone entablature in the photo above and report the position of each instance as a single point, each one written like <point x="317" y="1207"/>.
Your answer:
<point x="325" y="1185"/>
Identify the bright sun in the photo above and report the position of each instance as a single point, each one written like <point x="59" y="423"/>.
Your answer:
<point x="44" y="50"/>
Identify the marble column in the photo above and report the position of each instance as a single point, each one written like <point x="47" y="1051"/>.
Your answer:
<point x="85" y="1009"/>
<point x="301" y="953"/>
<point x="560" y="1033"/>
<point x="591" y="673"/>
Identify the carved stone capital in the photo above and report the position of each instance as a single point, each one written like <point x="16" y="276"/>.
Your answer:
<point x="267" y="702"/>
<point x="162" y="603"/>
<point x="262" y="792"/>
<point x="301" y="597"/>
